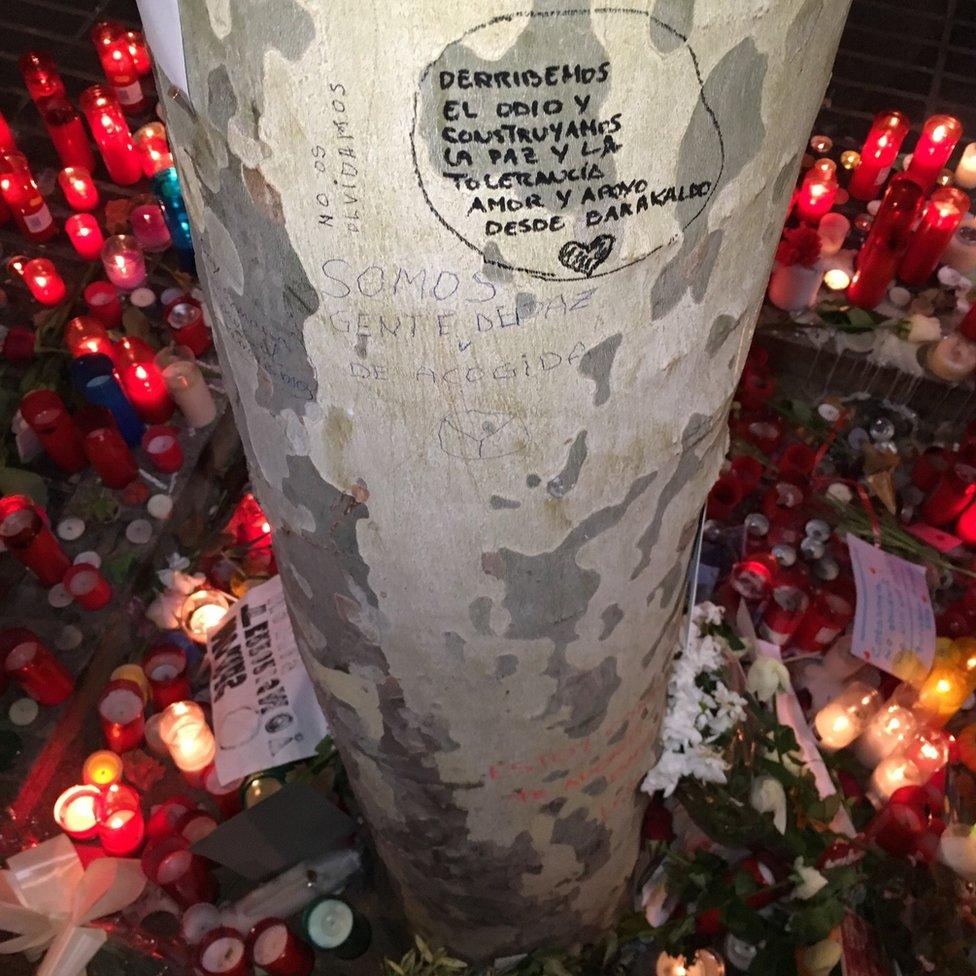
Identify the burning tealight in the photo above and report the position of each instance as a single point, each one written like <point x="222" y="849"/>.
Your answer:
<point x="850" y="159"/>
<point x="121" y="827"/>
<point x="821" y="144"/>
<point x="201" y="612"/>
<point x="886" y="731"/>
<point x="837" y="279"/>
<point x="74" y="811"/>
<point x="102" y="768"/>
<point x="841" y="721"/>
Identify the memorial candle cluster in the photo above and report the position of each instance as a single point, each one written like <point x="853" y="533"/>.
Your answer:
<point x="111" y="134"/>
<point x="24" y="200"/>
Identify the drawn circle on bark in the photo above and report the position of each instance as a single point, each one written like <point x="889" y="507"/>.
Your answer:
<point x="566" y="169"/>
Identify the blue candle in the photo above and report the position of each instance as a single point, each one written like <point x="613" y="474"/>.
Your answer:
<point x="166" y="187"/>
<point x="93" y="375"/>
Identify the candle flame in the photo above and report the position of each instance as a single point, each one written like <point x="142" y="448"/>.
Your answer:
<point x="841" y="724"/>
<point x="943" y="686"/>
<point x="939" y="133"/>
<point x="141" y="372"/>
<point x="837" y="279"/>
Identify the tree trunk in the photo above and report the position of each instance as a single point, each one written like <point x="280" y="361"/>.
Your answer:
<point x="483" y="276"/>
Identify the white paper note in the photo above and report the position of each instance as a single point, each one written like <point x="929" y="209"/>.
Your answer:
<point x="164" y="35"/>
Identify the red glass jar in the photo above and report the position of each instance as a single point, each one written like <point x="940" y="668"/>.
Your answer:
<point x="878" y="154"/>
<point x="161" y="444"/>
<point x="165" y="665"/>
<point x="111" y="458"/>
<point x="273" y="947"/>
<point x="227" y="798"/>
<point x="166" y="815"/>
<point x="41" y="77"/>
<point x="755" y="388"/>
<point x="43" y="282"/>
<point x="825" y="620"/>
<point x="748" y="470"/>
<point x="797" y="461"/>
<point x="818" y="191"/>
<point x="85" y="235"/>
<point x="64" y="126"/>
<point x="121" y="826"/>
<point x="146" y="390"/>
<point x="782" y="615"/>
<point x="752" y="578"/>
<point x="120" y="68"/>
<point x="725" y="495"/>
<point x="941" y="217"/>
<point x="112" y="135"/>
<point x="27" y="205"/>
<point x="45" y="413"/>
<point x="188" y="326"/>
<point x="78" y="187"/>
<point x="940" y="133"/>
<point x="223" y="952"/>
<point x="38" y="672"/>
<point x="120" y="709"/>
<point x="951" y="495"/>
<point x="104" y="304"/>
<point x="183" y="875"/>
<point x="28" y="539"/>
<point x="132" y="350"/>
<point x="87" y="587"/>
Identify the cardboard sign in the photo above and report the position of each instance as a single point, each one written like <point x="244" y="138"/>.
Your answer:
<point x="264" y="708"/>
<point x="894" y="627"/>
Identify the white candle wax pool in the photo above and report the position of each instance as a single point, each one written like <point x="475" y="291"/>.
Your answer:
<point x="223" y="955"/>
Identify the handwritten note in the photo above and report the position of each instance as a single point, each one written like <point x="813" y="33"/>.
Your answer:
<point x="894" y="627"/>
<point x="264" y="707"/>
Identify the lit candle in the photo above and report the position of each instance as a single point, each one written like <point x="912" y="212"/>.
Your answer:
<point x="38" y="672"/>
<point x="45" y="413"/>
<point x="147" y="392"/>
<point x="817" y="192"/>
<point x="706" y="963"/>
<point x="27" y="205"/>
<point x="102" y="768"/>
<point x="124" y="263"/>
<point x="952" y="493"/>
<point x="132" y="350"/>
<point x="93" y="374"/>
<point x="841" y="721"/>
<point x="201" y="612"/>
<point x="945" y="690"/>
<point x="120" y="67"/>
<point x="163" y="448"/>
<point x="40" y="76"/>
<point x="940" y="133"/>
<point x="914" y="764"/>
<point x="139" y="51"/>
<point x="149" y="226"/>
<point x="78" y="188"/>
<point x="86" y="585"/>
<point x="188" y="325"/>
<point x="63" y="124"/>
<point x="85" y="235"/>
<point x="850" y="159"/>
<point x="886" y="242"/>
<point x="84" y="334"/>
<point x="121" y="827"/>
<point x="74" y="812"/>
<point x="877" y="155"/>
<point x="837" y="279"/>
<point x="7" y="143"/>
<point x="885" y="733"/>
<point x="331" y="924"/>
<point x="25" y="534"/>
<point x="188" y="388"/>
<point x="165" y="666"/>
<point x="278" y="951"/>
<point x="942" y="215"/>
<point x="44" y="282"/>
<point x="112" y="136"/>
<point x="192" y="748"/>
<point x="120" y="709"/>
<point x="222" y="952"/>
<point x="152" y="144"/>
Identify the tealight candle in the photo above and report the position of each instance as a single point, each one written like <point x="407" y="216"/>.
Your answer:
<point x="74" y="812"/>
<point x="165" y="666"/>
<point x="277" y="951"/>
<point x="78" y="188"/>
<point x="952" y="358"/>
<point x="331" y="924"/>
<point x="147" y="391"/>
<point x="121" y="826"/>
<point x="85" y="235"/>
<point x="836" y="279"/>
<point x="25" y="534"/>
<point x="222" y="952"/>
<point x="149" y="227"/>
<point x="63" y="124"/>
<point x="102" y="768"/>
<point x="45" y="413"/>
<point x="940" y="133"/>
<point x="104" y="304"/>
<point x="86" y="586"/>
<point x="162" y="445"/>
<point x="44" y="282"/>
<point x="201" y="612"/>
<point x="877" y="155"/>
<point x="123" y="261"/>
<point x="38" y="672"/>
<point x="111" y="134"/>
<point x="188" y="388"/>
<point x="706" y="963"/>
<point x="120" y="709"/>
<point x="885" y="733"/>
<point x="841" y="721"/>
<point x="940" y="218"/>
<point x="818" y="191"/>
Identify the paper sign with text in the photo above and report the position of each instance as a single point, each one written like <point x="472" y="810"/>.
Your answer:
<point x="264" y="708"/>
<point x="894" y="627"/>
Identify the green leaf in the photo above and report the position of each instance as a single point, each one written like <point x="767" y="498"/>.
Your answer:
<point x="17" y="481"/>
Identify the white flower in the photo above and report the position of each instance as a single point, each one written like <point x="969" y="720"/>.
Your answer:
<point x="706" y="613"/>
<point x="768" y="796"/>
<point x="767" y="677"/>
<point x="164" y="611"/>
<point x="808" y="880"/>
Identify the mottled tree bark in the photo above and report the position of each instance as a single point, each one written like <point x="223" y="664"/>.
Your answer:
<point x="484" y="444"/>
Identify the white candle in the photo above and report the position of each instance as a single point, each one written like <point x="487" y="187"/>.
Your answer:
<point x="885" y="732"/>
<point x="952" y="359"/>
<point x="957" y="850"/>
<point x="188" y="388"/>
<point x="960" y="252"/>
<point x="794" y="287"/>
<point x="841" y="721"/>
<point x="892" y="774"/>
<point x="833" y="230"/>
<point x="966" y="170"/>
<point x="192" y="746"/>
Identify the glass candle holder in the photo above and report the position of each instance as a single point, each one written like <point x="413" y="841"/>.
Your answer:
<point x="135" y="674"/>
<point x="44" y="282"/>
<point x="886" y="243"/>
<point x="331" y="924"/>
<point x="195" y="825"/>
<point x="154" y="147"/>
<point x="139" y="51"/>
<point x="166" y="188"/>
<point x="111" y="134"/>
<point x="942" y="215"/>
<point x="940" y="133"/>
<point x="41" y="78"/>
<point x="103" y="303"/>
<point x="178" y="714"/>
<point x="124" y="263"/>
<point x="147" y="391"/>
<point x="87" y="587"/>
<point x="227" y="797"/>
<point x="783" y="614"/>
<point x="841" y="721"/>
<point x="161" y="825"/>
<point x="85" y="235"/>
<point x="120" y="709"/>
<point x="38" y="672"/>
<point x="189" y="390"/>
<point x="45" y="413"/>
<point x="945" y="690"/>
<point x="222" y="952"/>
<point x="878" y="154"/>
<point x="824" y="621"/>
<point x="165" y="667"/>
<point x="162" y="446"/>
<point x="74" y="812"/>
<point x="63" y="124"/>
<point x="914" y="764"/>
<point x="102" y="768"/>
<point x="192" y="748"/>
<point x="120" y="69"/>
<point x="78" y="187"/>
<point x="84" y="335"/>
<point x="278" y="951"/>
<point x="93" y="375"/>
<point x="179" y="872"/>
<point x="953" y="491"/>
<point x="131" y="351"/>
<point x="259" y="786"/>
<point x="201" y="612"/>
<point x="28" y="539"/>
<point x="121" y="826"/>
<point x="198" y="920"/>
<point x="188" y="326"/>
<point x="887" y="731"/>
<point x="818" y="191"/>
<point x="25" y="202"/>
<point x="149" y="226"/>
<point x="952" y="359"/>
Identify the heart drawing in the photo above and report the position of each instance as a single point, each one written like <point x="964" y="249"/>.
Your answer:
<point x="586" y="258"/>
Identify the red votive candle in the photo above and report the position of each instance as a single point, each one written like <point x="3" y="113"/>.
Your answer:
<point x="44" y="282"/>
<point x="942" y="215"/>
<point x="7" y="142"/>
<point x="84" y="335"/>
<point x="149" y="226"/>
<point x="783" y="614"/>
<point x="120" y="68"/>
<point x="38" y="672"/>
<point x="165" y="667"/>
<point x="227" y="797"/>
<point x="45" y="413"/>
<point x="103" y="302"/>
<point x="131" y="350"/>
<point x="20" y="193"/>
<point x="726" y="493"/>
<point x="27" y="537"/>
<point x="940" y="133"/>
<point x="110" y="457"/>
<point x="277" y="950"/>
<point x="85" y="235"/>
<point x="75" y="813"/>
<point x="223" y="952"/>
<point x="111" y="133"/>
<point x="121" y="826"/>
<point x="120" y="709"/>
<point x="179" y="872"/>
<point x="145" y="387"/>
<point x="952" y="493"/>
<point x="756" y="387"/>
<point x="188" y="326"/>
<point x="824" y="621"/>
<point x="64" y="126"/>
<point x="166" y="815"/>
<point x="878" y="153"/>
<point x="162" y="445"/>
<point x="154" y="147"/>
<point x="87" y="587"/>
<point x="886" y="242"/>
<point x="934" y="461"/>
<point x="797" y="461"/>
<point x="817" y="192"/>
<point x="40" y="76"/>
<point x="748" y="470"/>
<point x="139" y="51"/>
<point x="78" y="188"/>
